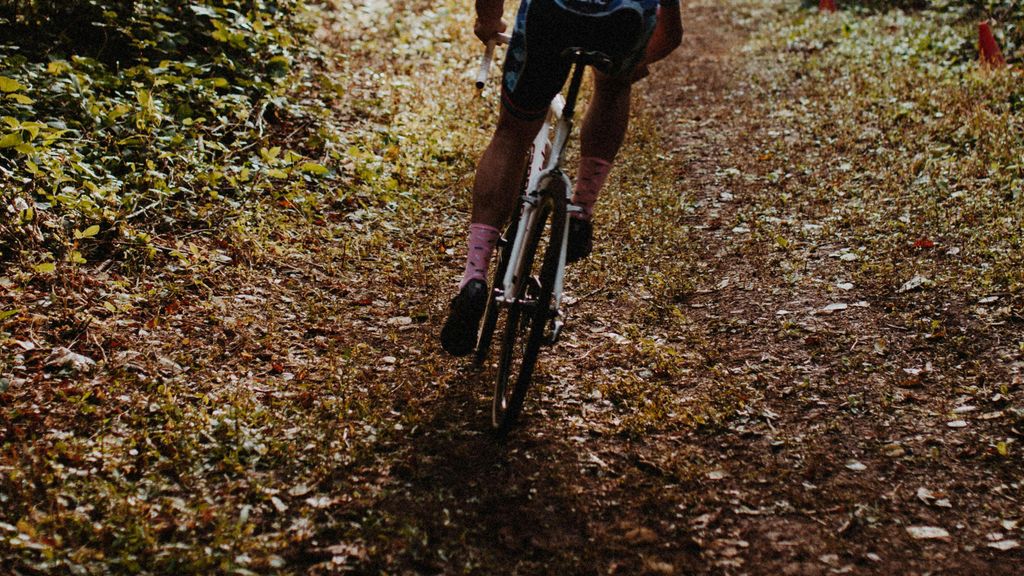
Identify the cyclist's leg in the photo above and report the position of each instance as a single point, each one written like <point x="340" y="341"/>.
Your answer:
<point x="528" y="85"/>
<point x="526" y="93"/>
<point x="623" y="35"/>
<point x="604" y="128"/>
<point x="607" y="118"/>
<point x="501" y="168"/>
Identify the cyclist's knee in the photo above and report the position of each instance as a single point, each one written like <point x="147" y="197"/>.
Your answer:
<point x="611" y="85"/>
<point x="513" y="129"/>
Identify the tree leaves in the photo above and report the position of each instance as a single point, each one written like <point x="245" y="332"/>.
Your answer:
<point x="88" y="232"/>
<point x="8" y="85"/>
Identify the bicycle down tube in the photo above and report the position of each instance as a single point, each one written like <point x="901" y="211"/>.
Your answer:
<point x="541" y="142"/>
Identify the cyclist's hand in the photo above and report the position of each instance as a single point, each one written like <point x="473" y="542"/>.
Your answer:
<point x="487" y="30"/>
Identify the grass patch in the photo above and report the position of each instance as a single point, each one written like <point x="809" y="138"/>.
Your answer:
<point x="906" y="152"/>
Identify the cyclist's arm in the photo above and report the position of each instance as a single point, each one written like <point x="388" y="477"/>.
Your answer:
<point x="668" y="34"/>
<point x="488" y="19"/>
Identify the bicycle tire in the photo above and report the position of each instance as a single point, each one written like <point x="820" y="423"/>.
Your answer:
<point x="525" y="326"/>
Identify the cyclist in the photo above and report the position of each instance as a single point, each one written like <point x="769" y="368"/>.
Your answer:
<point x="634" y="33"/>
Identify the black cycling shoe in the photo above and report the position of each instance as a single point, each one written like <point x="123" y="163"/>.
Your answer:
<point x="458" y="337"/>
<point x="581" y="240"/>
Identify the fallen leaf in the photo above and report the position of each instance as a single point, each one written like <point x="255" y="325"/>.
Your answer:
<point x="641" y="535"/>
<point x="319" y="502"/>
<point x="927" y="532"/>
<point x="836" y="307"/>
<point x="652" y="566"/>
<point x="925" y="495"/>
<point x="345" y="550"/>
<point x="894" y="450"/>
<point x="917" y="282"/>
<point x="1004" y="545"/>
<point x="64" y="358"/>
<point x="300" y="490"/>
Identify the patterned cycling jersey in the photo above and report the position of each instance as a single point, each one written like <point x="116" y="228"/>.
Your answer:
<point x="601" y="7"/>
<point x="534" y="69"/>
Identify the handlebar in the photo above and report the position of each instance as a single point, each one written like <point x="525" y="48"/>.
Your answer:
<point x="487" y="58"/>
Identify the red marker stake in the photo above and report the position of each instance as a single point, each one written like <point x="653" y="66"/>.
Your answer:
<point x="826" y="5"/>
<point x="989" y="50"/>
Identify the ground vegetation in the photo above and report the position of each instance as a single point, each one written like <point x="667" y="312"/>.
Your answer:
<point x="229" y="233"/>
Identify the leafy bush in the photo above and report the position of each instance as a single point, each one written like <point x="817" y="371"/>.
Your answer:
<point x="116" y="112"/>
<point x="85" y="27"/>
<point x="1007" y="15"/>
<point x="127" y="32"/>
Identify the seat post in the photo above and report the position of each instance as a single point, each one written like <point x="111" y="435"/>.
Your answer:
<point x="574" y="91"/>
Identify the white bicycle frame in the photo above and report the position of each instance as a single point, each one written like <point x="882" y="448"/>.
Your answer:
<point x="546" y="162"/>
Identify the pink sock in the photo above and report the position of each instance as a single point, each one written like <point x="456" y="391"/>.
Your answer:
<point x="591" y="178"/>
<point x="482" y="239"/>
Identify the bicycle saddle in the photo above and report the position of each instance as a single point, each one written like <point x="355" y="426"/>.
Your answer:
<point x="579" y="56"/>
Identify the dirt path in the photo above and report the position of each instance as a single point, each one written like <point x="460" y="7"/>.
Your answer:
<point x="736" y="392"/>
<point x="708" y="412"/>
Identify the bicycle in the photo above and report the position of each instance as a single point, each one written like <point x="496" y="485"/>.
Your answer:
<point x="527" y="293"/>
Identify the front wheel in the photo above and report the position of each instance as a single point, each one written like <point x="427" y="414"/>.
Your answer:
<point x="527" y="315"/>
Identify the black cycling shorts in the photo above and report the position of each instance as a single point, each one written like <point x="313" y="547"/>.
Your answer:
<point x="534" y="69"/>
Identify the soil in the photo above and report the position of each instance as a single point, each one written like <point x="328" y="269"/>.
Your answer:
<point x="721" y="402"/>
<point x="799" y="439"/>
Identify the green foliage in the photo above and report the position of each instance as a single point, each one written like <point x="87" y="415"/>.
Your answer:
<point x="127" y="32"/>
<point x="160" y="119"/>
<point x="938" y="135"/>
<point x="1006" y="15"/>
